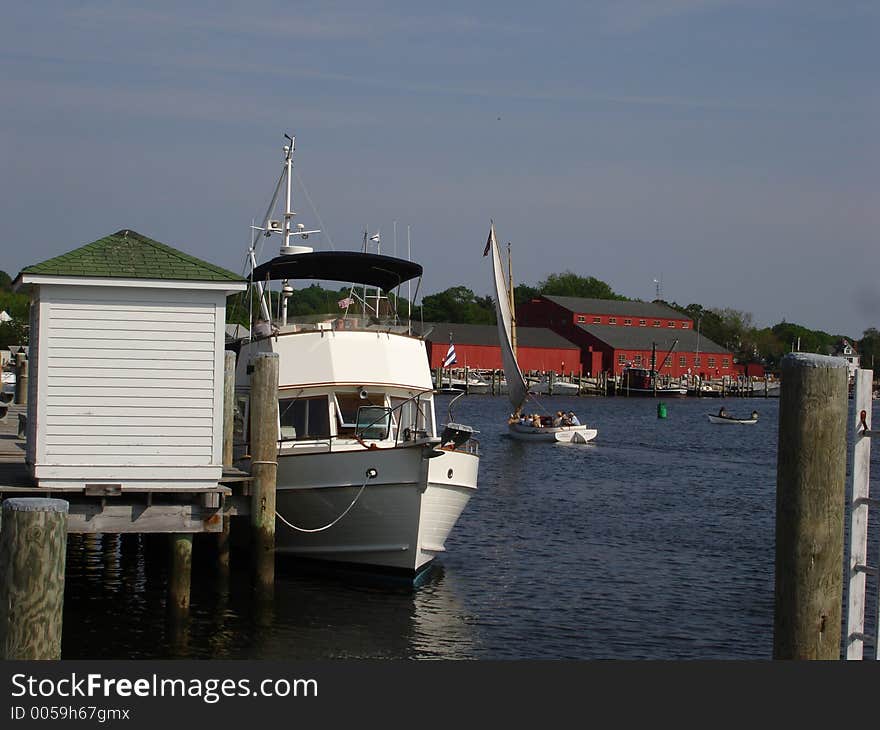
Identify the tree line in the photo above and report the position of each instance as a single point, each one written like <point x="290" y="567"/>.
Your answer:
<point x="732" y="329"/>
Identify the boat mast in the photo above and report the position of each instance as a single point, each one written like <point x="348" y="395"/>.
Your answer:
<point x="408" y="287"/>
<point x="510" y="298"/>
<point x="286" y="289"/>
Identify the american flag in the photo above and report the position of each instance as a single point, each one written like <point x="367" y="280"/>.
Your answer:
<point x="450" y="355"/>
<point x="347" y="302"/>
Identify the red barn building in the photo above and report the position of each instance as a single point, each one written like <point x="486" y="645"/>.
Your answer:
<point x="477" y="347"/>
<point x="612" y="334"/>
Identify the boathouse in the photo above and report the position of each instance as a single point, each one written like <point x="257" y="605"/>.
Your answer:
<point x="126" y="366"/>
<point x="612" y="334"/>
<point x="477" y="347"/>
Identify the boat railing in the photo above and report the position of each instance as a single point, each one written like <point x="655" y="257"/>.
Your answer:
<point x="331" y="323"/>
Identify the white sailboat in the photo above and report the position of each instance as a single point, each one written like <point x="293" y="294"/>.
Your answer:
<point x="517" y="389"/>
<point x="365" y="476"/>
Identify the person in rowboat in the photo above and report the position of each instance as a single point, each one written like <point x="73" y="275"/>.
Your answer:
<point x="755" y="415"/>
<point x="722" y="412"/>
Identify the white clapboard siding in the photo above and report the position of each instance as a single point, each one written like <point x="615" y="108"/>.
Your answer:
<point x="130" y="382"/>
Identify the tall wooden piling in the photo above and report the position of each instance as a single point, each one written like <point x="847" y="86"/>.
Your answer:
<point x="810" y="498"/>
<point x="21" y="379"/>
<point x="180" y="574"/>
<point x="228" y="430"/>
<point x="33" y="548"/>
<point x="264" y="464"/>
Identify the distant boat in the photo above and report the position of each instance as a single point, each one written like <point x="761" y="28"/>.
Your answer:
<point x="542" y="386"/>
<point x="645" y="382"/>
<point x="517" y="389"/>
<point x="715" y="418"/>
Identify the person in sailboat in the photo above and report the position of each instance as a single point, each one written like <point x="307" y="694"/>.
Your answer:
<point x="572" y="419"/>
<point x="557" y="421"/>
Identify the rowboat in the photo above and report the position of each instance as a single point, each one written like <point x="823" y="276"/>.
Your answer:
<point x="715" y="418"/>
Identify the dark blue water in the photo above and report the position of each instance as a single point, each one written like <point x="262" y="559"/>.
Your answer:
<point x="656" y="541"/>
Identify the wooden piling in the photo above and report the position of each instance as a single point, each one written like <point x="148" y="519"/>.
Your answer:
<point x="33" y="548"/>
<point x="180" y="574"/>
<point x="264" y="464"/>
<point x="810" y="498"/>
<point x="228" y="430"/>
<point x="21" y="379"/>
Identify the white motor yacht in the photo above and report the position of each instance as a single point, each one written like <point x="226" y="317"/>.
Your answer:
<point x="365" y="475"/>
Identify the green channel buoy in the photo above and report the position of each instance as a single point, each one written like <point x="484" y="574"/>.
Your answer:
<point x="661" y="410"/>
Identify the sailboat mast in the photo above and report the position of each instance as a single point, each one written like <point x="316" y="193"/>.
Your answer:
<point x="510" y="298"/>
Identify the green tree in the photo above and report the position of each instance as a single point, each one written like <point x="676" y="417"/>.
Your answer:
<point x="458" y="304"/>
<point x="869" y="349"/>
<point x="569" y="284"/>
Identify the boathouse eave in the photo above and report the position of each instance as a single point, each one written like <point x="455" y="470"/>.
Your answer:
<point x="229" y="287"/>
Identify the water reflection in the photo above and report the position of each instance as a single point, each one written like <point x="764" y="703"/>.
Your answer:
<point x="116" y="607"/>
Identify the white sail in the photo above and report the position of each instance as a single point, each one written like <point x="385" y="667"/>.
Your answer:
<point x="516" y="385"/>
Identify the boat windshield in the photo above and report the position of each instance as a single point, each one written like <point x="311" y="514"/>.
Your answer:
<point x="339" y="322"/>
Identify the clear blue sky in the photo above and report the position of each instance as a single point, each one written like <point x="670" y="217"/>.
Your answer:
<point x="728" y="149"/>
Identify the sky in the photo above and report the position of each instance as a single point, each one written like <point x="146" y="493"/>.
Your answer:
<point x="723" y="152"/>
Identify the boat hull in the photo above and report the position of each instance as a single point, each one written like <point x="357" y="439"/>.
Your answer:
<point x="562" y="434"/>
<point x="651" y="393"/>
<point x="726" y="419"/>
<point x="399" y="520"/>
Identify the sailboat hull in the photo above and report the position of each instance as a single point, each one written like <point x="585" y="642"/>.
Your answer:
<point x="562" y="434"/>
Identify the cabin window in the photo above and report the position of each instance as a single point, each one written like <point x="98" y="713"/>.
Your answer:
<point x="697" y="362"/>
<point x="581" y="319"/>
<point x="621" y="358"/>
<point x="407" y="414"/>
<point x="304" y="419"/>
<point x="637" y="360"/>
<point x="612" y="320"/>
<point x="597" y="320"/>
<point x="373" y="422"/>
<point x="670" y="323"/>
<point x="642" y="323"/>
<point x="656" y="323"/>
<point x="347" y="405"/>
<point x="627" y="322"/>
<point x="682" y="361"/>
<point x="711" y="362"/>
<point x="725" y="363"/>
<point x="684" y="325"/>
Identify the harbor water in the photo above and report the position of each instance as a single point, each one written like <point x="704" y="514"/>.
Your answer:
<point x="655" y="541"/>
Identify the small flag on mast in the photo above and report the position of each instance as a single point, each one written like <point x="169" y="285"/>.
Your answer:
<point x="347" y="302"/>
<point x="489" y="240"/>
<point x="450" y="354"/>
<point x="375" y="237"/>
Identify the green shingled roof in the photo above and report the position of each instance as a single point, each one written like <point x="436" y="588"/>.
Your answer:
<point x="129" y="255"/>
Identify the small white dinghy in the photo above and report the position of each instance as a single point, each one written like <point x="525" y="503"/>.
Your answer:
<point x="715" y="418"/>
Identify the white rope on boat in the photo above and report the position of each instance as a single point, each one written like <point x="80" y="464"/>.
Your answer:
<point x="371" y="473"/>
